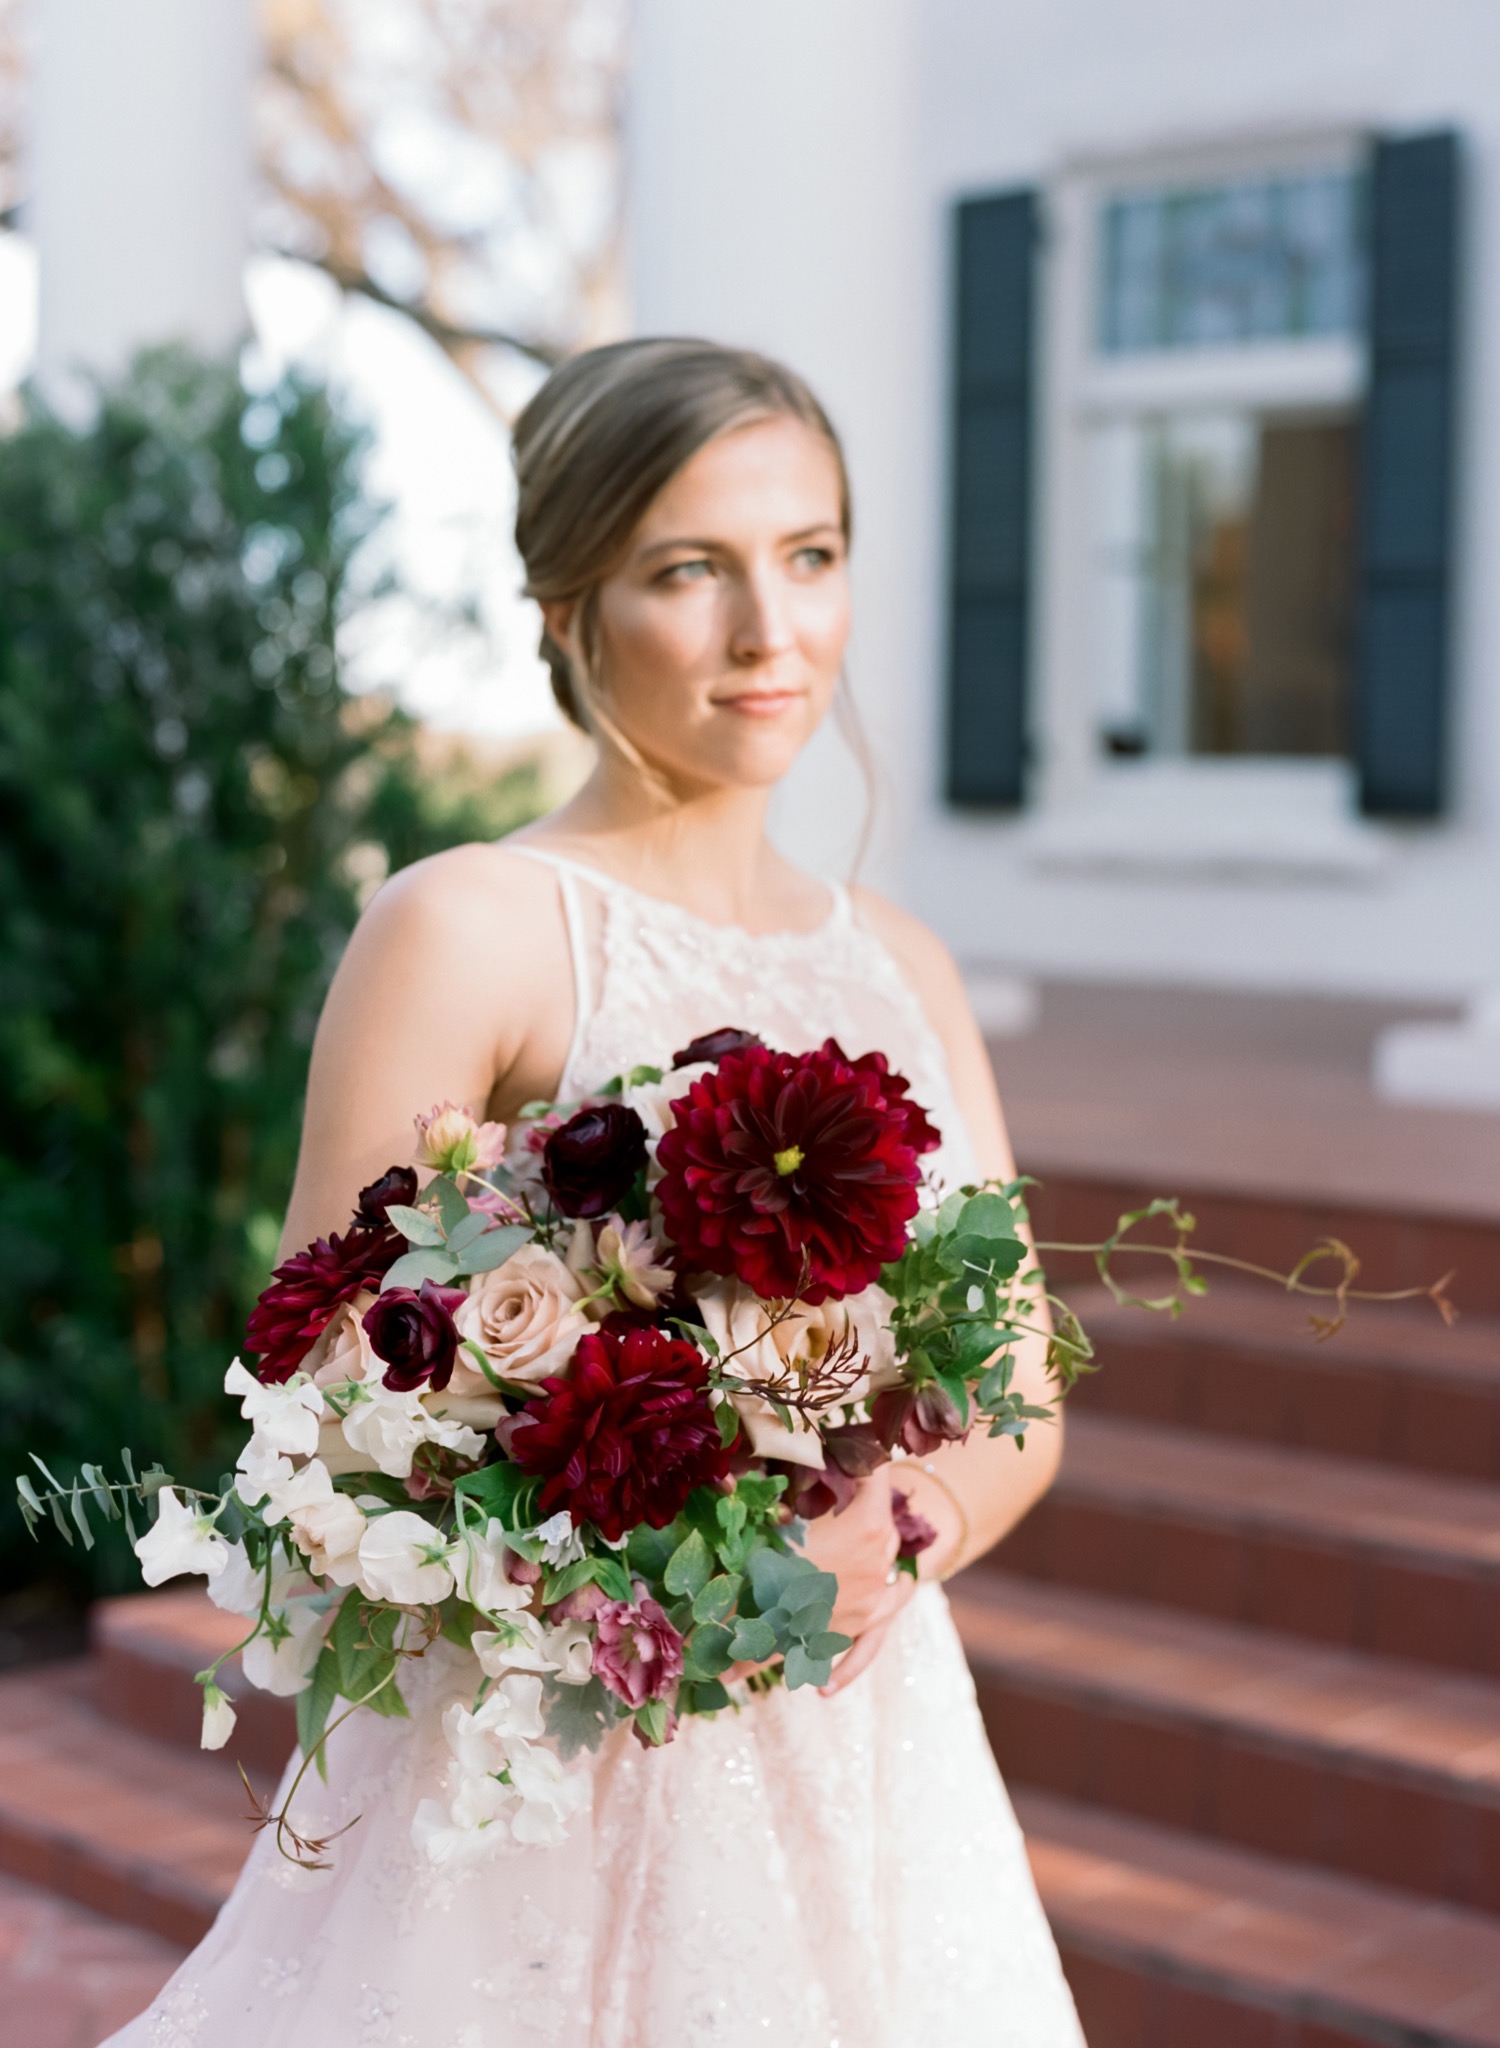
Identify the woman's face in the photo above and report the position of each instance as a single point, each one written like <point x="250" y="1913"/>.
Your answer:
<point x="720" y="637"/>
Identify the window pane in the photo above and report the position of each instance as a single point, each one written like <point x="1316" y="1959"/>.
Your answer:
<point x="1260" y="259"/>
<point x="1222" y="584"/>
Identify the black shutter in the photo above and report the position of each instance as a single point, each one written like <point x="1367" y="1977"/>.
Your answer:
<point x="990" y="537"/>
<point x="1406" y="491"/>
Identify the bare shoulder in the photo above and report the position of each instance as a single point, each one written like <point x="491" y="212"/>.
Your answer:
<point x="478" y="900"/>
<point x="918" y="952"/>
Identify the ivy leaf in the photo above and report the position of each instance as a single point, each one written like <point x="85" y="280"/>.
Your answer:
<point x="689" y="1567"/>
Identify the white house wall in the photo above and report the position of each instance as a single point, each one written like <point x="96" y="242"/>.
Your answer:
<point x="794" y="170"/>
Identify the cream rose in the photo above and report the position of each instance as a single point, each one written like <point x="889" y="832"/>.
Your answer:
<point x="524" y="1317"/>
<point x="767" y="1348"/>
<point x="343" y="1351"/>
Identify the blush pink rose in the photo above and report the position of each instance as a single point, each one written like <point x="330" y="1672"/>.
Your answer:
<point x="524" y="1317"/>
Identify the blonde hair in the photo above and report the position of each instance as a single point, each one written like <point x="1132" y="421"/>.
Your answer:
<point x="606" y="432"/>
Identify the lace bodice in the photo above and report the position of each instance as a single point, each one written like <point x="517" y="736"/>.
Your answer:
<point x="649" y="976"/>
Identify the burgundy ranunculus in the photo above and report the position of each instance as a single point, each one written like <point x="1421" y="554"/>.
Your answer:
<point x="792" y="1171"/>
<point x="637" y="1652"/>
<point x="914" y="1533"/>
<point x="920" y="1419"/>
<point x="396" y="1184"/>
<point x="627" y="1436"/>
<point x="714" y="1044"/>
<point x="413" y="1331"/>
<point x="309" y="1288"/>
<point x="589" y="1162"/>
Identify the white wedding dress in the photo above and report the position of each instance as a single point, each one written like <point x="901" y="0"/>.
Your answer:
<point x="817" y="1873"/>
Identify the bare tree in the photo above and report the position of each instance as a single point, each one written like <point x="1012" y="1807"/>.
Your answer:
<point x="455" y="159"/>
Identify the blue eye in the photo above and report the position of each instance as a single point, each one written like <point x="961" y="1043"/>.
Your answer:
<point x="687" y="572"/>
<point x="816" y="558"/>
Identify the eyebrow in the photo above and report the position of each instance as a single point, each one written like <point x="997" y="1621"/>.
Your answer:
<point x="662" y="547"/>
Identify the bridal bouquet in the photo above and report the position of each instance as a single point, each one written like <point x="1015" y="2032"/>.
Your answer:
<point x="571" y="1402"/>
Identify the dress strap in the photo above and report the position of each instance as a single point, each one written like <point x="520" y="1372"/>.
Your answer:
<point x="578" y="946"/>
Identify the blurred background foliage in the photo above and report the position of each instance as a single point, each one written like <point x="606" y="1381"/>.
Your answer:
<point x="192" y="809"/>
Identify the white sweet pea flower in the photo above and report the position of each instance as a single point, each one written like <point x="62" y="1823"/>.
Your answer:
<point x="549" y="1796"/>
<point x="179" y="1540"/>
<point x="385" y="1429"/>
<point x="560" y="1542"/>
<point x="402" y="1558"/>
<point x="469" y="1827"/>
<point x="329" y="1533"/>
<point x="281" y="1658"/>
<point x="238" y="1587"/>
<point x="479" y="1571"/>
<point x="218" y="1718"/>
<point x="278" y="1487"/>
<point x="283" y="1417"/>
<point x="570" y="1652"/>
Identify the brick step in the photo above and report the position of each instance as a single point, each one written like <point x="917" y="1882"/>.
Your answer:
<point x="1403" y="1564"/>
<point x="1393" y="1385"/>
<point x="135" y="1829"/>
<point x="1405" y="1250"/>
<point x="70" y="1978"/>
<point x="1380" y="1769"/>
<point x="1168" y="1939"/>
<point x="147" y="1647"/>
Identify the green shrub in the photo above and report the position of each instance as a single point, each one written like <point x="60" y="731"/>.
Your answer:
<point x="188" y="804"/>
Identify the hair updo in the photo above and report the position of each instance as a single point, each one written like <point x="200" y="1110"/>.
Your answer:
<point x="605" y="433"/>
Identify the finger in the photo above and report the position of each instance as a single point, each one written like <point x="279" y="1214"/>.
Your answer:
<point x="859" y="1659"/>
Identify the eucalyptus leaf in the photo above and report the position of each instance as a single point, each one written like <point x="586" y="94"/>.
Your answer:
<point x="754" y="1640"/>
<point x="412" y="1268"/>
<point x="689" y="1567"/>
<point x="484" y="1254"/>
<point x="466" y="1230"/>
<point x="709" y="1651"/>
<point x="453" y="1205"/>
<point x="716" y="1601"/>
<point x="416" y="1225"/>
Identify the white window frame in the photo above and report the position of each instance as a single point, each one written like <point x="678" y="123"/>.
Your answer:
<point x="1175" y="814"/>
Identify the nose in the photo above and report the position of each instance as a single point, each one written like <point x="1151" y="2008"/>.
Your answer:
<point x="761" y="628"/>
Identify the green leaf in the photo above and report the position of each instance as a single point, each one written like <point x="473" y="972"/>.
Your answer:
<point x="81" y="1518"/>
<point x="802" y="1669"/>
<point x="453" y="1205"/>
<point x="415" y="1225"/>
<point x="502" y="1490"/>
<point x="689" y="1567"/>
<point x="412" y="1268"/>
<point x="315" y="1703"/>
<point x="558" y="1585"/>
<point x="484" y="1254"/>
<point x="471" y="1226"/>
<point x="716" y="1601"/>
<point x="613" y="1578"/>
<point x="707" y="1696"/>
<point x="771" y="1571"/>
<point x="578" y="1717"/>
<point x="643" y="1077"/>
<point x="649" y="1550"/>
<point x="987" y="1216"/>
<point x="727" y="1417"/>
<point x="709" y="1651"/>
<point x="754" y="1640"/>
<point x="809" y="1588"/>
<point x="829" y="1643"/>
<point x="651" y="1719"/>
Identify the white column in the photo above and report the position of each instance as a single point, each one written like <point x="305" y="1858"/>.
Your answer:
<point x="137" y="180"/>
<point x="774" y="204"/>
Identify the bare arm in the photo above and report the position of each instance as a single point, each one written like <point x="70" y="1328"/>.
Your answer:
<point x="456" y="987"/>
<point x="980" y="1489"/>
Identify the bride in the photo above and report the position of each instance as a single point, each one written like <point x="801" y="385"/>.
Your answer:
<point x="840" y="1871"/>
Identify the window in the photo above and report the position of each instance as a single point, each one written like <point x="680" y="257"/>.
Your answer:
<point x="1223" y="518"/>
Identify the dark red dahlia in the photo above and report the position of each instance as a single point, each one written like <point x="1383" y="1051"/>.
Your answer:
<point x="922" y="1134"/>
<point x="794" y="1171"/>
<point x="627" y="1436"/>
<point x="305" y="1293"/>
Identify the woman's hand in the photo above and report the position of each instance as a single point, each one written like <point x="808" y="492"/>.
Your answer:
<point x="859" y="1546"/>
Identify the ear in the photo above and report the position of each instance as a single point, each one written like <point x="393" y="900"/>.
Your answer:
<point x="559" y="616"/>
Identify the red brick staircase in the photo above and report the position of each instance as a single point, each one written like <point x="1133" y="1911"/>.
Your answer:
<point x="1242" y="1667"/>
<point x="1241" y="1670"/>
